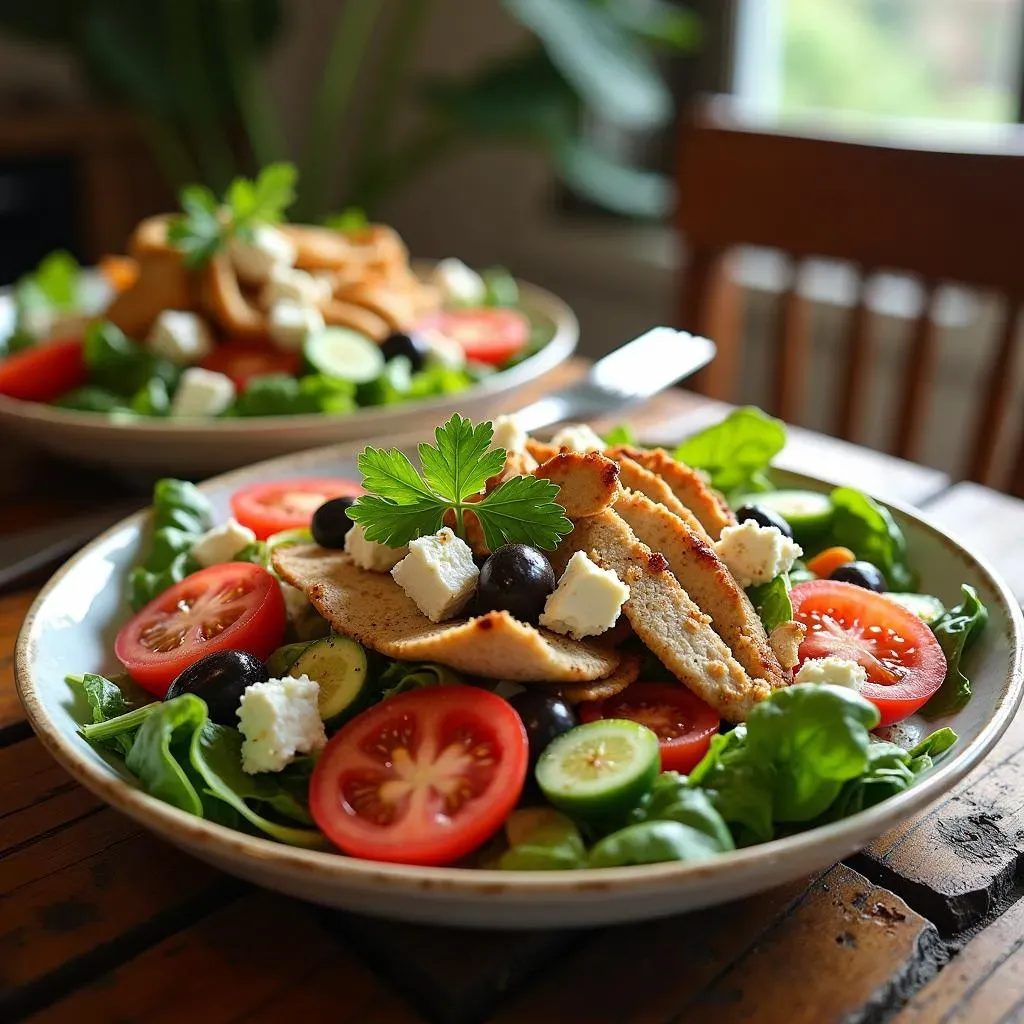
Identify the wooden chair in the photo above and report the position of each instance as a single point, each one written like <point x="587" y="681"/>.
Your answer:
<point x="942" y="215"/>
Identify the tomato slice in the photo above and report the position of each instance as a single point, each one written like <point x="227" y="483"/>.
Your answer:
<point x="236" y="606"/>
<point x="422" y="778"/>
<point x="243" y="362"/>
<point x="44" y="372"/>
<point x="683" y="723"/>
<point x="287" y="504"/>
<point x="903" y="660"/>
<point x="487" y="335"/>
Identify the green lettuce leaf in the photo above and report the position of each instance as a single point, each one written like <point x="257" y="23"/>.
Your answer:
<point x="119" y="366"/>
<point x="652" y="842"/>
<point x="542" y="839"/>
<point x="870" y="532"/>
<point x="105" y="701"/>
<point x="772" y="601"/>
<point x="956" y="630"/>
<point x="672" y="799"/>
<point x="401" y="676"/>
<point x="279" y="394"/>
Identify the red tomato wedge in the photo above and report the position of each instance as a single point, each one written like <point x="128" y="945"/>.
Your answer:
<point x="423" y="778"/>
<point x="683" y="723"/>
<point x="287" y="504"/>
<point x="903" y="660"/>
<point x="487" y="335"/>
<point x="244" y="362"/>
<point x="235" y="606"/>
<point x="45" y="372"/>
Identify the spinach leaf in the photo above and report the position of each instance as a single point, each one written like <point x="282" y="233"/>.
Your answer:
<point x="541" y="839"/>
<point x="870" y="532"/>
<point x="652" y="842"/>
<point x="934" y="744"/>
<point x="671" y="799"/>
<point x="401" y="676"/>
<point x="390" y="387"/>
<point x="154" y="764"/>
<point x="500" y="288"/>
<point x="622" y="433"/>
<point x="120" y="366"/>
<point x="92" y="399"/>
<point x="956" y="630"/>
<point x="772" y="601"/>
<point x="105" y="702"/>
<point x="279" y="394"/>
<point x="152" y="399"/>
<point x="54" y="284"/>
<point x="737" y="452"/>
<point x="436" y="379"/>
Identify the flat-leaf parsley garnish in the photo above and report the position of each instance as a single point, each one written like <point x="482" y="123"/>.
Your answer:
<point x="404" y="503"/>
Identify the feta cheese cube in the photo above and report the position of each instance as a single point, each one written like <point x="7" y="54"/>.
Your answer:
<point x="756" y="554"/>
<point x="509" y="435"/>
<point x="180" y="336"/>
<point x="439" y="574"/>
<point x="255" y="258"/>
<point x="369" y="554"/>
<point x="279" y="719"/>
<point x="286" y="284"/>
<point x="458" y="283"/>
<point x="578" y="437"/>
<point x="202" y="393"/>
<point x="290" y="323"/>
<point x="587" y="600"/>
<point x="222" y="543"/>
<point x="835" y="671"/>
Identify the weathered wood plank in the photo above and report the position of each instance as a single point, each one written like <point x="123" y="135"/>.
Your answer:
<point x="984" y="983"/>
<point x="263" y="958"/>
<point x="12" y="612"/>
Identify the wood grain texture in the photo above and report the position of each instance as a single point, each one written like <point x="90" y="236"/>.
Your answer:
<point x="859" y="348"/>
<point x="12" y="611"/>
<point x="792" y="335"/>
<point x="918" y="372"/>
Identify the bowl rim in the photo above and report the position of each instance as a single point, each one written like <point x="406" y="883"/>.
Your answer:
<point x="336" y="868"/>
<point x="560" y="347"/>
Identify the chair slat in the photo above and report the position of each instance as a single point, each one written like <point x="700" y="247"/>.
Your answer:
<point x="996" y="400"/>
<point x="918" y="371"/>
<point x="858" y="363"/>
<point x="711" y="307"/>
<point x="791" y="355"/>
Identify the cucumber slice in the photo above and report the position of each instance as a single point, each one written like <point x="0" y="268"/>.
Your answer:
<point x="344" y="354"/>
<point x="599" y="769"/>
<point x="807" y="512"/>
<point x="339" y="665"/>
<point x="927" y="608"/>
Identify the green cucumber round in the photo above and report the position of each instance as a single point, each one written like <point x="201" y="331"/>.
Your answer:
<point x="927" y="608"/>
<point x="338" y="664"/>
<point x="344" y="354"/>
<point x="807" y="512"/>
<point x="599" y="769"/>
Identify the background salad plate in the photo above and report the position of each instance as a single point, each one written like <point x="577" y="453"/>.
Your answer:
<point x="71" y="626"/>
<point x="196" y="448"/>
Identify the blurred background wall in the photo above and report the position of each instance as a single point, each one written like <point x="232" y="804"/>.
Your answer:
<point x="78" y="174"/>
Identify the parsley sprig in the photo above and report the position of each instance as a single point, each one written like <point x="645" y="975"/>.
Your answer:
<point x="404" y="503"/>
<point x="205" y="226"/>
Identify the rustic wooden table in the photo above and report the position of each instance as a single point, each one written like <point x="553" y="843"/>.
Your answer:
<point x="101" y="922"/>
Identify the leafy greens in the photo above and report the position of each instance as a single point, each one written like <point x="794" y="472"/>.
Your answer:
<point x="870" y="532"/>
<point x="956" y="630"/>
<point x="772" y="601"/>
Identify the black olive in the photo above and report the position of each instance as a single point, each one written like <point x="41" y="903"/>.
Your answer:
<point x="516" y="578"/>
<point x="861" y="574"/>
<point x="220" y="679"/>
<point x="764" y="517"/>
<point x="545" y="716"/>
<point x="330" y="524"/>
<point x="413" y="347"/>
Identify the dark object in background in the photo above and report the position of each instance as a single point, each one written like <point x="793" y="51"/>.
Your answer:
<point x="39" y="212"/>
<point x="861" y="574"/>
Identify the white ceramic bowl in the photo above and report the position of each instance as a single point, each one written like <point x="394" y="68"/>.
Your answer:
<point x="71" y="626"/>
<point x="199" y="448"/>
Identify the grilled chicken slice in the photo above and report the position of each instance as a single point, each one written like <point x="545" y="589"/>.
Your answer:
<point x="634" y="477"/>
<point x="339" y="313"/>
<point x="588" y="484"/>
<point x="665" y="617"/>
<point x="785" y="640"/>
<point x="687" y="485"/>
<point x="706" y="579"/>
<point x="163" y="283"/>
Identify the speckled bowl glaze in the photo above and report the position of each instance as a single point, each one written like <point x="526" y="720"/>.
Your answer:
<point x="71" y="626"/>
<point x="198" y="448"/>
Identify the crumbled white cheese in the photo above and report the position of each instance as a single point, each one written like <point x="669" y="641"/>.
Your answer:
<point x="443" y="350"/>
<point x="756" y="554"/>
<point x="290" y="323"/>
<point x="438" y="574"/>
<point x="222" y="543"/>
<point x="836" y="671"/>
<point x="180" y="336"/>
<point x="255" y="258"/>
<point x="369" y="554"/>
<point x="578" y="437"/>
<point x="509" y="435"/>
<point x="458" y="283"/>
<point x="587" y="600"/>
<point x="202" y="393"/>
<point x="279" y="719"/>
<point x="296" y="604"/>
<point x="286" y="284"/>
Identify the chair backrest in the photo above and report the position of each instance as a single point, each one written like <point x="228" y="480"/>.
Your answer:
<point x="943" y="215"/>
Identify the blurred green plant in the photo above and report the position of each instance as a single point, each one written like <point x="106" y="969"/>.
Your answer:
<point x="194" y="70"/>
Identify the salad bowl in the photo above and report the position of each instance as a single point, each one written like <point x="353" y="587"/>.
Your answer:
<point x="71" y="627"/>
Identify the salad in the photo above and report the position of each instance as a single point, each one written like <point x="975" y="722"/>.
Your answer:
<point x="223" y="310"/>
<point x="531" y="655"/>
